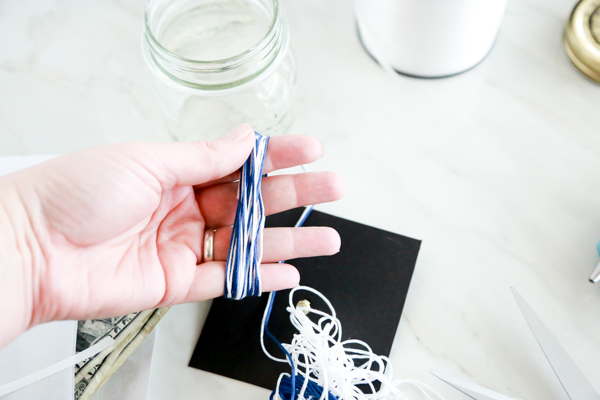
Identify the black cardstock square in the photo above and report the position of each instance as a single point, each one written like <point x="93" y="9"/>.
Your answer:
<point x="367" y="283"/>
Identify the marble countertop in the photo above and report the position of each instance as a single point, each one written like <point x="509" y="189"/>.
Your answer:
<point x="497" y="170"/>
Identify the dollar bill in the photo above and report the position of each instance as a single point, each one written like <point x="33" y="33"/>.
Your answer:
<point x="128" y="332"/>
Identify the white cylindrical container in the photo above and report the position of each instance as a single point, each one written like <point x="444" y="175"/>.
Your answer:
<point x="429" y="38"/>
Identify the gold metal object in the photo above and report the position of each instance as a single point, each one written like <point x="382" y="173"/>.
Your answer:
<point x="304" y="304"/>
<point x="582" y="38"/>
<point x="209" y="238"/>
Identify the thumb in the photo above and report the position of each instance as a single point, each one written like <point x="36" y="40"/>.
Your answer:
<point x="194" y="163"/>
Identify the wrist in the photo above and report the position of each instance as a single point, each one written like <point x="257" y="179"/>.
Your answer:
<point x="17" y="248"/>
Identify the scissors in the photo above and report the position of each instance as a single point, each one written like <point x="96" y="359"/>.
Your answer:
<point x="571" y="378"/>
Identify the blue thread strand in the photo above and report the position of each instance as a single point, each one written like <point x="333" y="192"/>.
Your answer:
<point x="278" y="343"/>
<point x="288" y="390"/>
<point x="245" y="253"/>
<point x="245" y="250"/>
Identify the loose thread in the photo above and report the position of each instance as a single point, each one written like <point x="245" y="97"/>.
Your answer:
<point x="242" y="276"/>
<point x="288" y="389"/>
<point x="323" y="366"/>
<point x="264" y="326"/>
<point x="327" y="368"/>
<point x="286" y="386"/>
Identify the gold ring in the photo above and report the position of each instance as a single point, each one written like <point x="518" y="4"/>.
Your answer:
<point x="209" y="236"/>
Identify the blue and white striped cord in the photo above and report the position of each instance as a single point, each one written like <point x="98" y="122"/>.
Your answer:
<point x="245" y="250"/>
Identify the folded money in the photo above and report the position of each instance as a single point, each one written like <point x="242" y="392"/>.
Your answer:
<point x="128" y="331"/>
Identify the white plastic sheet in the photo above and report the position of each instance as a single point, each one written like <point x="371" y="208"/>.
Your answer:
<point x="38" y="348"/>
<point x="50" y="343"/>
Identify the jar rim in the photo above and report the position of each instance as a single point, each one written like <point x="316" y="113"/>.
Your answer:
<point x="250" y="50"/>
<point x="216" y="89"/>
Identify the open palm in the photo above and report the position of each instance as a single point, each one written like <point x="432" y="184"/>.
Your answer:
<point x="120" y="228"/>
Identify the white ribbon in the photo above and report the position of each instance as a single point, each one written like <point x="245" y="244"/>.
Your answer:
<point x="54" y="368"/>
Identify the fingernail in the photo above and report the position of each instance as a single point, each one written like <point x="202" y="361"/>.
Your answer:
<point x="322" y="148"/>
<point x="239" y="132"/>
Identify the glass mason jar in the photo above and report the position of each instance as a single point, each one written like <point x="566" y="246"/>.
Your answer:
<point x="218" y="63"/>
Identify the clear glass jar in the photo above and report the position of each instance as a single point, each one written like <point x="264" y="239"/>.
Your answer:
<point x="218" y="63"/>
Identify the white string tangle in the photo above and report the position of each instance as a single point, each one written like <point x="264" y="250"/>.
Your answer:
<point x="339" y="367"/>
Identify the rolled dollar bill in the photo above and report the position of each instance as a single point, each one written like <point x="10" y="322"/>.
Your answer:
<point x="128" y="331"/>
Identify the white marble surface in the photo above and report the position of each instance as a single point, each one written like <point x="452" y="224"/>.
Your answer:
<point x="497" y="170"/>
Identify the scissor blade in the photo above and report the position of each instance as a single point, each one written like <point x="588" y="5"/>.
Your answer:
<point x="470" y="389"/>
<point x="571" y="378"/>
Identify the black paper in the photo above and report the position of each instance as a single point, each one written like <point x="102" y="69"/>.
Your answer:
<point x="367" y="283"/>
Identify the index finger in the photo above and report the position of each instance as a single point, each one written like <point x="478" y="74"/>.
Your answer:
<point x="284" y="151"/>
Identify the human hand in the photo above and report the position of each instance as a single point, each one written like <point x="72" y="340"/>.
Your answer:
<point x="119" y="228"/>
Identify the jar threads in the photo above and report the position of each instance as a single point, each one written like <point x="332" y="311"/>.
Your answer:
<point x="216" y="64"/>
